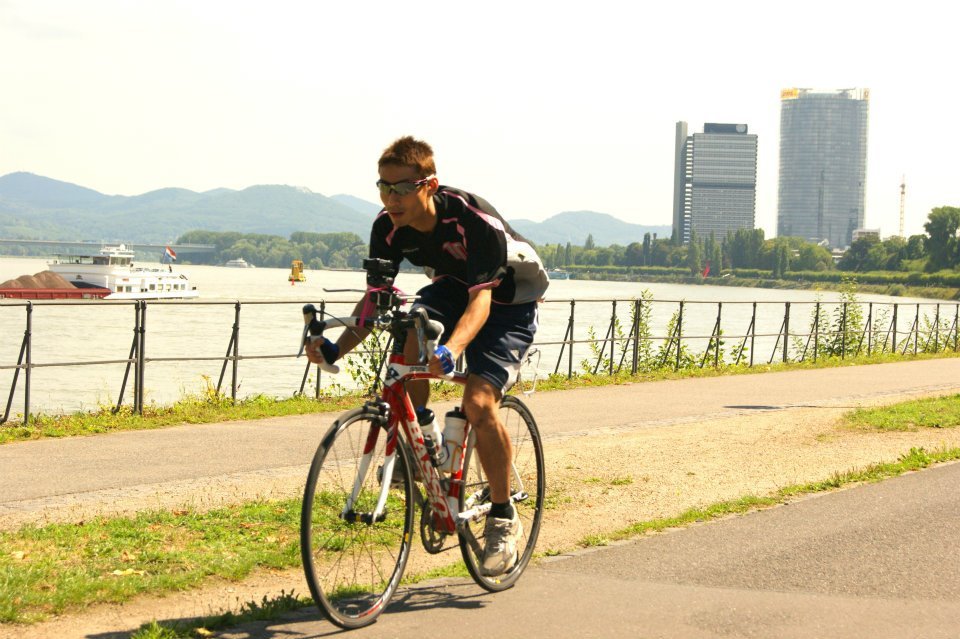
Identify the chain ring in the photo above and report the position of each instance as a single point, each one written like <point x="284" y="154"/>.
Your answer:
<point x="431" y="538"/>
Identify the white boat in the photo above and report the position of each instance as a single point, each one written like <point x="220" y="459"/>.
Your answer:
<point x="113" y="269"/>
<point x="239" y="263"/>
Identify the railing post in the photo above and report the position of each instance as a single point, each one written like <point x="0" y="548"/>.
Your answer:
<point x="916" y="336"/>
<point x="135" y="353"/>
<point x="843" y="332"/>
<point x="323" y="311"/>
<point x="753" y="335"/>
<point x="716" y="351"/>
<point x="142" y="357"/>
<point x="573" y="303"/>
<point x="786" y="333"/>
<point x="613" y="336"/>
<point x="17" y="368"/>
<point x="816" y="332"/>
<point x="936" y="331"/>
<point x="894" y="345"/>
<point x="236" y="350"/>
<point x="679" y="335"/>
<point x="637" y="310"/>
<point x="956" y="327"/>
<point x="869" y="329"/>
<point x="131" y="361"/>
<point x="27" y="372"/>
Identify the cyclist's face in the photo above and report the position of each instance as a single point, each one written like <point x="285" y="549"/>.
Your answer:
<point x="414" y="209"/>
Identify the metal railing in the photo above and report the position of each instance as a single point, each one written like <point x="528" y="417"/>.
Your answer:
<point x="658" y="334"/>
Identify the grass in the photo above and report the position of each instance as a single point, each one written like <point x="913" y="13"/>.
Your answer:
<point x="211" y="407"/>
<point x="940" y="412"/>
<point x="62" y="567"/>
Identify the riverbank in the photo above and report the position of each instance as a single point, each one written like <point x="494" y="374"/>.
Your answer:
<point x="893" y="290"/>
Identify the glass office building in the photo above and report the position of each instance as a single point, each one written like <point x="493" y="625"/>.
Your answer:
<point x="715" y="180"/>
<point x="823" y="164"/>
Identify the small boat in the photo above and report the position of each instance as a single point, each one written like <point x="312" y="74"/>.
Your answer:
<point x="239" y="263"/>
<point x="113" y="269"/>
<point x="296" y="272"/>
<point x="558" y="274"/>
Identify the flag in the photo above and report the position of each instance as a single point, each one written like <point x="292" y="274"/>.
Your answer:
<point x="168" y="256"/>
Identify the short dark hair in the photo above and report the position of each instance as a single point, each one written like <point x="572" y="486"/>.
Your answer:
<point x="407" y="151"/>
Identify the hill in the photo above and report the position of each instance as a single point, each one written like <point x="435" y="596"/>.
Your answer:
<point x="37" y="207"/>
<point x="575" y="226"/>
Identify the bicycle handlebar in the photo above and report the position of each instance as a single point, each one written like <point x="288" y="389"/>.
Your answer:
<point x="428" y="331"/>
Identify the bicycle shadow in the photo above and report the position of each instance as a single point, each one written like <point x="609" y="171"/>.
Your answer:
<point x="308" y="622"/>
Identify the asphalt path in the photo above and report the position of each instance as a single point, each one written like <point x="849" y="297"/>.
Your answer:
<point x="37" y="471"/>
<point x="877" y="560"/>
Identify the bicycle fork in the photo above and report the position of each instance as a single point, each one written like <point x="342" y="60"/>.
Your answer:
<point x="378" y="514"/>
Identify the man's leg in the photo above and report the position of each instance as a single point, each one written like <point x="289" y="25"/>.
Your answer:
<point x="481" y="403"/>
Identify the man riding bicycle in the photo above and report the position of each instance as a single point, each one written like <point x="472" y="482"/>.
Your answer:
<point x="486" y="283"/>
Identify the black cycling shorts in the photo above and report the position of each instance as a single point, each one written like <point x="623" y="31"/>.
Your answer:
<point x="498" y="349"/>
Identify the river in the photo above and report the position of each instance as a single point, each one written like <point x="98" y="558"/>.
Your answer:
<point x="270" y="324"/>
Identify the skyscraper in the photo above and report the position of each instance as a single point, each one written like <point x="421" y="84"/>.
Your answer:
<point x="823" y="164"/>
<point x="715" y="180"/>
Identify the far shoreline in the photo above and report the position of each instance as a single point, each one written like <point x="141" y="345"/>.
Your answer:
<point x="892" y="290"/>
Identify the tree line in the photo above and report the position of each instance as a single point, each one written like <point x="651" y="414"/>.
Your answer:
<point x="316" y="250"/>
<point x="937" y="250"/>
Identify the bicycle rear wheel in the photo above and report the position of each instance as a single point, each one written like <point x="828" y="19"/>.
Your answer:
<point x="527" y="483"/>
<point x="353" y="561"/>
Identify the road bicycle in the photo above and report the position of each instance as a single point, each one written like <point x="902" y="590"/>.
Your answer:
<point x="372" y="475"/>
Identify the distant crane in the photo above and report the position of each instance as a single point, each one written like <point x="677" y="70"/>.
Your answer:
<point x="903" y="197"/>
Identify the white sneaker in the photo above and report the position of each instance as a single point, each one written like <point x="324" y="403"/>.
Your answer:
<point x="500" y="545"/>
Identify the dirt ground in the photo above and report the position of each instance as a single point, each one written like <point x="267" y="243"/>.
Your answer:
<point x="596" y="483"/>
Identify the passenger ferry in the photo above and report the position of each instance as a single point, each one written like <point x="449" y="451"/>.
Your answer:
<point x="558" y="274"/>
<point x="238" y="263"/>
<point x="113" y="269"/>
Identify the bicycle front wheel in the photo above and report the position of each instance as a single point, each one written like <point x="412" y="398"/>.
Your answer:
<point x="353" y="555"/>
<point x="527" y="487"/>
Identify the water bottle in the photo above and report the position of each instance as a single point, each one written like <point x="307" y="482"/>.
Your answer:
<point x="454" y="430"/>
<point x="432" y="435"/>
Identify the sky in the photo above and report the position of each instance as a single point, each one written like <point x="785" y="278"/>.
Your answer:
<point x="539" y="107"/>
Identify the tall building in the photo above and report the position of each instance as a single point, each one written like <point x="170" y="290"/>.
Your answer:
<point x="715" y="180"/>
<point x="823" y="164"/>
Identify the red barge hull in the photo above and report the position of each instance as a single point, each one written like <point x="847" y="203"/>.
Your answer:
<point x="54" y="293"/>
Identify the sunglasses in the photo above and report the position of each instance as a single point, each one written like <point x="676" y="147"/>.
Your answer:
<point x="400" y="188"/>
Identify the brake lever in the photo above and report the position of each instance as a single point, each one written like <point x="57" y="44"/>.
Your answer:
<point x="309" y="317"/>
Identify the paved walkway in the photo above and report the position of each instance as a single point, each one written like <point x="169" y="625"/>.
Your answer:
<point x="38" y="475"/>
